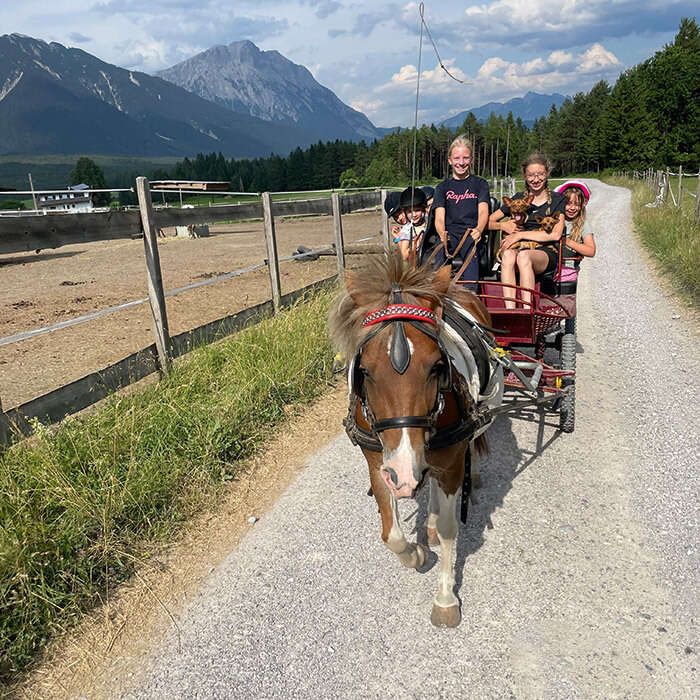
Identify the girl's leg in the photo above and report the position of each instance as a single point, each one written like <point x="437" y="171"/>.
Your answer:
<point x="508" y="275"/>
<point x="530" y="263"/>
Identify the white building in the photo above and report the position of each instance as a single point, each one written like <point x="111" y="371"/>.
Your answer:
<point x="73" y="199"/>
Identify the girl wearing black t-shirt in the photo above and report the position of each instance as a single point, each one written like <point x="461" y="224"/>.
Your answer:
<point x="461" y="205"/>
<point x="544" y="257"/>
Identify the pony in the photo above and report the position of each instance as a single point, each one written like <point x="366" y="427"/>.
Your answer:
<point x="421" y="381"/>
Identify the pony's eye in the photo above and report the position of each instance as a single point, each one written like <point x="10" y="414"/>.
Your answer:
<point x="439" y="368"/>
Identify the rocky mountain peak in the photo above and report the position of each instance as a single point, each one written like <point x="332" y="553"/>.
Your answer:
<point x="265" y="84"/>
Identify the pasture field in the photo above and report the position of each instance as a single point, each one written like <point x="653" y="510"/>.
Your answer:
<point x="672" y="235"/>
<point x="83" y="505"/>
<point x="53" y="171"/>
<point x="55" y="285"/>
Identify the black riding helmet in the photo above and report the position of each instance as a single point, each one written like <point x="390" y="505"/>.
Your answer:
<point x="428" y="191"/>
<point x="414" y="198"/>
<point x="391" y="204"/>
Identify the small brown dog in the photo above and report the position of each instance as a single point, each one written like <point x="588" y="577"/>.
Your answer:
<point x="547" y="223"/>
<point x="518" y="213"/>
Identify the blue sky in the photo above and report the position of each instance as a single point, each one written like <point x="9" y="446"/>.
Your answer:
<point x="367" y="52"/>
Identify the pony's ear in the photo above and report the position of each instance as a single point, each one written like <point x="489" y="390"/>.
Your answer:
<point x="442" y="279"/>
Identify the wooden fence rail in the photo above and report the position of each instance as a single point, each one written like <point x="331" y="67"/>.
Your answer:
<point x="22" y="233"/>
<point x="19" y="234"/>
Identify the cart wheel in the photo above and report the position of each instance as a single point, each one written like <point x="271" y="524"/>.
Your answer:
<point x="567" y="406"/>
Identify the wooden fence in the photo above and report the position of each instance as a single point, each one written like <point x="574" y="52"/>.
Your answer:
<point x="659" y="180"/>
<point x="25" y="233"/>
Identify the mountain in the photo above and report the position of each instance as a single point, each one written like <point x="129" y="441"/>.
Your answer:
<point x="59" y="100"/>
<point x="529" y="107"/>
<point x="267" y="85"/>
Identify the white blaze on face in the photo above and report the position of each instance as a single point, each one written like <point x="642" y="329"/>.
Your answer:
<point x="408" y="463"/>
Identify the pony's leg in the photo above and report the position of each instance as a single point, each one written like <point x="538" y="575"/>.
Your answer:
<point x="446" y="611"/>
<point x="433" y="511"/>
<point x="410" y="554"/>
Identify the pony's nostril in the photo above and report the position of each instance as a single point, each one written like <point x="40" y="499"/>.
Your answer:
<point x="392" y="475"/>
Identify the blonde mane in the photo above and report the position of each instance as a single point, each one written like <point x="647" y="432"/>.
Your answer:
<point x="370" y="287"/>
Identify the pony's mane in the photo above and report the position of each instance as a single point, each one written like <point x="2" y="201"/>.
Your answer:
<point x="372" y="288"/>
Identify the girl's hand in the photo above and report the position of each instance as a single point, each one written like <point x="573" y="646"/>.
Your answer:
<point x="509" y="227"/>
<point x="509" y="241"/>
<point x="475" y="234"/>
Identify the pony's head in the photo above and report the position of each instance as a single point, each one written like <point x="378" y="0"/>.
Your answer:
<point x="387" y="321"/>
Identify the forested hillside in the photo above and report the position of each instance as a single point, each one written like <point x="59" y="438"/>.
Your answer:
<point x="650" y="117"/>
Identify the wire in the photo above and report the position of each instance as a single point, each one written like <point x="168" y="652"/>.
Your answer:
<point x="437" y="53"/>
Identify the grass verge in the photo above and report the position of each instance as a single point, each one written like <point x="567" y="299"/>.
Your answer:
<point x="82" y="505"/>
<point x="671" y="235"/>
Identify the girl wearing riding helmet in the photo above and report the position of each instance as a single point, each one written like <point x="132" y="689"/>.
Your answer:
<point x="577" y="195"/>
<point x="543" y="258"/>
<point x="461" y="206"/>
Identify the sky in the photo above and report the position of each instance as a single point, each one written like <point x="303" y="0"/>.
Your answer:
<point x="367" y="51"/>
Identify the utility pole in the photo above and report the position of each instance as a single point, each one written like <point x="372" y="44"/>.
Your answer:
<point x="31" y="187"/>
<point x="505" y="169"/>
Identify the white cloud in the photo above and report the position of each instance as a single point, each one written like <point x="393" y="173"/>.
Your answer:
<point x="560" y="71"/>
<point x="560" y="58"/>
<point x="598" y="58"/>
<point x="432" y="80"/>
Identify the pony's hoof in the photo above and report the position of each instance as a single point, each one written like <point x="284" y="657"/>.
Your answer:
<point x="433" y="539"/>
<point x="446" y="617"/>
<point x="420" y="556"/>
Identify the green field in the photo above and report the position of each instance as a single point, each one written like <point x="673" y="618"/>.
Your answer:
<point x="53" y="172"/>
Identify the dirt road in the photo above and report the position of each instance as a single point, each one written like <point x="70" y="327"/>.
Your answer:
<point x="579" y="565"/>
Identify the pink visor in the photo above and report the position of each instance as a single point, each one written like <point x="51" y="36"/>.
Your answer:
<point x="578" y="185"/>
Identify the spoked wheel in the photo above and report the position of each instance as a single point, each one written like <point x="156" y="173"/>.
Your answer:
<point x="567" y="405"/>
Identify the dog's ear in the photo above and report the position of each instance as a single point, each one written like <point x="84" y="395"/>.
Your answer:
<point x="540" y="219"/>
<point x="507" y="201"/>
<point x="528" y="198"/>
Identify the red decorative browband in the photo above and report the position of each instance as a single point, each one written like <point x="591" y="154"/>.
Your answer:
<point x="400" y="312"/>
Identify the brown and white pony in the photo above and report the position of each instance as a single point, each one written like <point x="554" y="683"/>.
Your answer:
<point x="411" y="411"/>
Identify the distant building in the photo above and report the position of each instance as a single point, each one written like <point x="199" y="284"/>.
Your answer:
<point x="74" y="199"/>
<point x="191" y="185"/>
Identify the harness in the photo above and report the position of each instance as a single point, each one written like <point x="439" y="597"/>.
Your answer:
<point x="471" y="418"/>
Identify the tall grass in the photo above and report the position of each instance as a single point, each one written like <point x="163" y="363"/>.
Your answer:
<point x="81" y="505"/>
<point x="671" y="235"/>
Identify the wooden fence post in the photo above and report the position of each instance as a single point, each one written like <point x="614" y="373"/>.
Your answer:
<point x="272" y="259"/>
<point x="338" y="230"/>
<point x="156" y="294"/>
<point x="385" y="222"/>
<point x="4" y="429"/>
<point x="697" y="201"/>
<point x="680" y="186"/>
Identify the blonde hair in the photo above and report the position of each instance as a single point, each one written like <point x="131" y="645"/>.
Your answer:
<point x="462" y="141"/>
<point x="574" y="193"/>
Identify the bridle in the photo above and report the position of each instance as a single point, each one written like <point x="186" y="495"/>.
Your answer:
<point x="425" y="320"/>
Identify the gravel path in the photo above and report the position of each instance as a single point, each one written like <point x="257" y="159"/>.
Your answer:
<point x="580" y="561"/>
